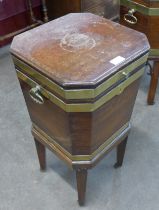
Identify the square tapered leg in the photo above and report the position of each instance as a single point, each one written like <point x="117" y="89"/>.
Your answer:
<point x="81" y="176"/>
<point x="120" y="153"/>
<point x="41" y="154"/>
<point x="153" y="83"/>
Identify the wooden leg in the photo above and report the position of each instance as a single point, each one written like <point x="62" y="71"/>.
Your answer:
<point x="81" y="176"/>
<point x="153" y="83"/>
<point x="41" y="154"/>
<point x="120" y="153"/>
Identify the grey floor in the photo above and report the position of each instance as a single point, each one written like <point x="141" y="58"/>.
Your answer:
<point x="23" y="187"/>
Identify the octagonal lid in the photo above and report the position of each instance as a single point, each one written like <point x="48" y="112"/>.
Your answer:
<point x="79" y="49"/>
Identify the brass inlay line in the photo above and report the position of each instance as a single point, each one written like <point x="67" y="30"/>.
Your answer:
<point x="154" y="52"/>
<point x="78" y="93"/>
<point x="83" y="107"/>
<point x="140" y="8"/>
<point x="55" y="146"/>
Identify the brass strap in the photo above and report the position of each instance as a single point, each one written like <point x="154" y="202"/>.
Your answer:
<point x="77" y="93"/>
<point x="140" y="8"/>
<point x="82" y="107"/>
<point x="56" y="147"/>
<point x="154" y="52"/>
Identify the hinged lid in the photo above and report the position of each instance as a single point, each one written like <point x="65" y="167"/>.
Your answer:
<point x="79" y="50"/>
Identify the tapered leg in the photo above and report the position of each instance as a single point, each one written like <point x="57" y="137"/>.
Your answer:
<point x="120" y="153"/>
<point x="41" y="154"/>
<point x="81" y="176"/>
<point x="153" y="83"/>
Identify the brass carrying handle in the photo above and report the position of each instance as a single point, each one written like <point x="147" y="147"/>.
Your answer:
<point x="130" y="18"/>
<point x="35" y="95"/>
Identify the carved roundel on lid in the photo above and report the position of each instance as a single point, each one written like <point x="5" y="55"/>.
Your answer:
<point x="77" y="49"/>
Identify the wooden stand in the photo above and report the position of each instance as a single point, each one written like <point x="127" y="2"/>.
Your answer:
<point x="153" y="82"/>
<point x="81" y="171"/>
<point x="80" y="115"/>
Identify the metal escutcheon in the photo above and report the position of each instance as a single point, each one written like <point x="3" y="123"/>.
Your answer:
<point x="120" y="90"/>
<point x="35" y="95"/>
<point x="125" y="75"/>
<point x="130" y="18"/>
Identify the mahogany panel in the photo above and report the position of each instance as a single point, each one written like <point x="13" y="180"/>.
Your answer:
<point x="82" y="133"/>
<point x="146" y="24"/>
<point x="49" y="118"/>
<point x="80" y="52"/>
<point x="142" y="23"/>
<point x="58" y="8"/>
<point x="17" y="22"/>
<point x="10" y="8"/>
<point x="154" y="32"/>
<point x="90" y="130"/>
<point x="113" y="115"/>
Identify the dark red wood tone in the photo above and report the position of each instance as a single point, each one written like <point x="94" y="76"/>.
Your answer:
<point x="153" y="83"/>
<point x="145" y="23"/>
<point x="17" y="22"/>
<point x="50" y="118"/>
<point x="81" y="46"/>
<point x="58" y="8"/>
<point x="106" y="8"/>
<point x="148" y="25"/>
<point x="83" y="137"/>
<point x="142" y="23"/>
<point x="120" y="153"/>
<point x="81" y="176"/>
<point x="82" y="133"/>
<point x="41" y="154"/>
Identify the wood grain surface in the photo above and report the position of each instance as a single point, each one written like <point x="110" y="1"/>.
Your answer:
<point x="82" y="133"/>
<point x="145" y="23"/>
<point x="77" y="49"/>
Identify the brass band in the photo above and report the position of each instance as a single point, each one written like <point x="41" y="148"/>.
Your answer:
<point x="56" y="147"/>
<point x="78" y="93"/>
<point x="82" y="107"/>
<point x="140" y="8"/>
<point x="154" y="52"/>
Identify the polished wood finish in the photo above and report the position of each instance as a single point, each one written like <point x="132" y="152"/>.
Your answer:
<point x="81" y="169"/>
<point x="146" y="23"/>
<point x="81" y="176"/>
<point x="41" y="154"/>
<point x="16" y="22"/>
<point x="58" y="8"/>
<point x="83" y="45"/>
<point x="76" y="164"/>
<point x="82" y="133"/>
<point x="120" y="153"/>
<point x="142" y="23"/>
<point x="106" y="8"/>
<point x="81" y="137"/>
<point x="94" y="133"/>
<point x="153" y="83"/>
<point x="50" y="118"/>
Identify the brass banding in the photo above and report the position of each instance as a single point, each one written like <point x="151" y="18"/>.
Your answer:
<point x="77" y="93"/>
<point x="140" y="8"/>
<point x="55" y="146"/>
<point x="82" y="107"/>
<point x="154" y="52"/>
